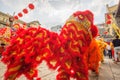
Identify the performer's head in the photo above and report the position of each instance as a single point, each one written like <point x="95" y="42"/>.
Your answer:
<point x="117" y="36"/>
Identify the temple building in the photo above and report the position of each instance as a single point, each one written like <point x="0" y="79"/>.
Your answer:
<point x="6" y="20"/>
<point x="112" y="20"/>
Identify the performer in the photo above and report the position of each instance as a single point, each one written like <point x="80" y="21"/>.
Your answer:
<point x="116" y="44"/>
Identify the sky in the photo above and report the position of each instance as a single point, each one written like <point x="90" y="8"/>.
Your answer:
<point x="55" y="12"/>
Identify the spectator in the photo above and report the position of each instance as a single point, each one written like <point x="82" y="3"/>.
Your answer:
<point x="109" y="50"/>
<point x="116" y="44"/>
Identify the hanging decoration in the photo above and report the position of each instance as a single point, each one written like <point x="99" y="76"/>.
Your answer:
<point x="105" y="32"/>
<point x="11" y="19"/>
<point x="16" y="17"/>
<point x="108" y="16"/>
<point x="98" y="35"/>
<point x="25" y="11"/>
<point x="20" y="14"/>
<point x="109" y="22"/>
<point x="108" y="19"/>
<point x="31" y="6"/>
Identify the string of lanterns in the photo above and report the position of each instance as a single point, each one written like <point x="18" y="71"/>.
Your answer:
<point x="25" y="11"/>
<point x="108" y="19"/>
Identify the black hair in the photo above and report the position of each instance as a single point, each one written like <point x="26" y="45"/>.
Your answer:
<point x="117" y="36"/>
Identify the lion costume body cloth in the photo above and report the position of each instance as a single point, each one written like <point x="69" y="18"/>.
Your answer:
<point x="93" y="56"/>
<point x="64" y="52"/>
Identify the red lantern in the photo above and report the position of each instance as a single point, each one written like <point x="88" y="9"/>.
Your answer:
<point x="109" y="22"/>
<point x="25" y="11"/>
<point x="108" y="16"/>
<point x="31" y="6"/>
<point x="20" y="14"/>
<point x="105" y="32"/>
<point x="11" y="19"/>
<point x="24" y="23"/>
<point x="98" y="35"/>
<point x="15" y="17"/>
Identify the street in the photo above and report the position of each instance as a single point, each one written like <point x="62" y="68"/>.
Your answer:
<point x="108" y="71"/>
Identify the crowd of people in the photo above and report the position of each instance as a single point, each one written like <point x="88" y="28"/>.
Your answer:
<point x="112" y="49"/>
<point x="115" y="49"/>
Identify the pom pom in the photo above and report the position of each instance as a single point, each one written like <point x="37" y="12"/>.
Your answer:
<point x="94" y="31"/>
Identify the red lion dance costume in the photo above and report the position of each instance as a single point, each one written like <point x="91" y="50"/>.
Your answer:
<point x="64" y="52"/>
